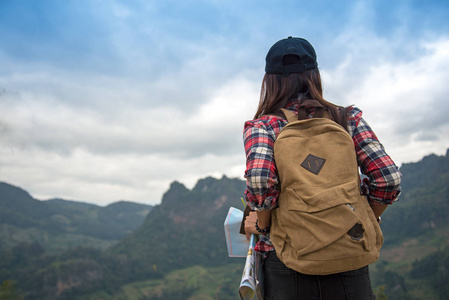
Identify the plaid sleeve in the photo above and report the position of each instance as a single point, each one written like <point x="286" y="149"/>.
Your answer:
<point x="384" y="176"/>
<point x="261" y="178"/>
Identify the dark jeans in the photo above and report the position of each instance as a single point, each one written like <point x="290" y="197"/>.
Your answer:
<point x="282" y="283"/>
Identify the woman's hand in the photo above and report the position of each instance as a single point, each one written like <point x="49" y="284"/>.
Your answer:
<point x="263" y="218"/>
<point x="250" y="224"/>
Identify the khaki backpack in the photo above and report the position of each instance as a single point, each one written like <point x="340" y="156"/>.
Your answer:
<point x="323" y="224"/>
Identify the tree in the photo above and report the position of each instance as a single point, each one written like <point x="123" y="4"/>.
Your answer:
<point x="8" y="291"/>
<point x="380" y="293"/>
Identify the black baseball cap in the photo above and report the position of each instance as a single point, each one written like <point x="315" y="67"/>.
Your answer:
<point x="291" y="46"/>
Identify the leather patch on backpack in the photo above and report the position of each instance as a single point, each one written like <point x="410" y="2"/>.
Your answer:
<point x="313" y="164"/>
<point x="356" y="232"/>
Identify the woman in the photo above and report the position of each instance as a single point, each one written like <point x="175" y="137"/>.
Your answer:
<point x="292" y="76"/>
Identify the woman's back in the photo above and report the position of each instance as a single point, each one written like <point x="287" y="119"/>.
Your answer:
<point x="291" y="71"/>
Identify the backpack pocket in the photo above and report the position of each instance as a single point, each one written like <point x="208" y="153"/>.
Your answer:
<point x="313" y="224"/>
<point x="315" y="198"/>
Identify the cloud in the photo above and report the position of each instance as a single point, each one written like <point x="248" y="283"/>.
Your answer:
<point x="403" y="100"/>
<point x="109" y="100"/>
<point x="126" y="152"/>
<point x="117" y="126"/>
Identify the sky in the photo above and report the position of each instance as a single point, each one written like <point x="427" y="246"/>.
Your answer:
<point x="108" y="100"/>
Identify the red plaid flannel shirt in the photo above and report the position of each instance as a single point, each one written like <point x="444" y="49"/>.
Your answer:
<point x="262" y="182"/>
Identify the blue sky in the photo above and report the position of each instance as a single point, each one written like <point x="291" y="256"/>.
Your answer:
<point x="109" y="100"/>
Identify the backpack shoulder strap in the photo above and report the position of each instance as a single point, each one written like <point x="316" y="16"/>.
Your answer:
<point x="289" y="115"/>
<point x="320" y="112"/>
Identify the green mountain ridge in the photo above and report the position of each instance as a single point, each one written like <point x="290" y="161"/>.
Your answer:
<point x="416" y="233"/>
<point x="185" y="230"/>
<point x="187" y="227"/>
<point x="424" y="203"/>
<point x="59" y="224"/>
<point x="185" y="233"/>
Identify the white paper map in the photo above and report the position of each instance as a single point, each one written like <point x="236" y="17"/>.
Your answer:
<point x="238" y="246"/>
<point x="237" y="243"/>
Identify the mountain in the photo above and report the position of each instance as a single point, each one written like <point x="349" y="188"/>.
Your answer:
<point x="184" y="235"/>
<point x="59" y="224"/>
<point x="424" y="204"/>
<point x="186" y="229"/>
<point x="414" y="262"/>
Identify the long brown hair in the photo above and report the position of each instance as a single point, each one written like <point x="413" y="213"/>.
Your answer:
<point x="278" y="89"/>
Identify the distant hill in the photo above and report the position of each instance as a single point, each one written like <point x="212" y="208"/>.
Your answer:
<point x="423" y="207"/>
<point x="186" y="231"/>
<point x="59" y="224"/>
<point x="414" y="261"/>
